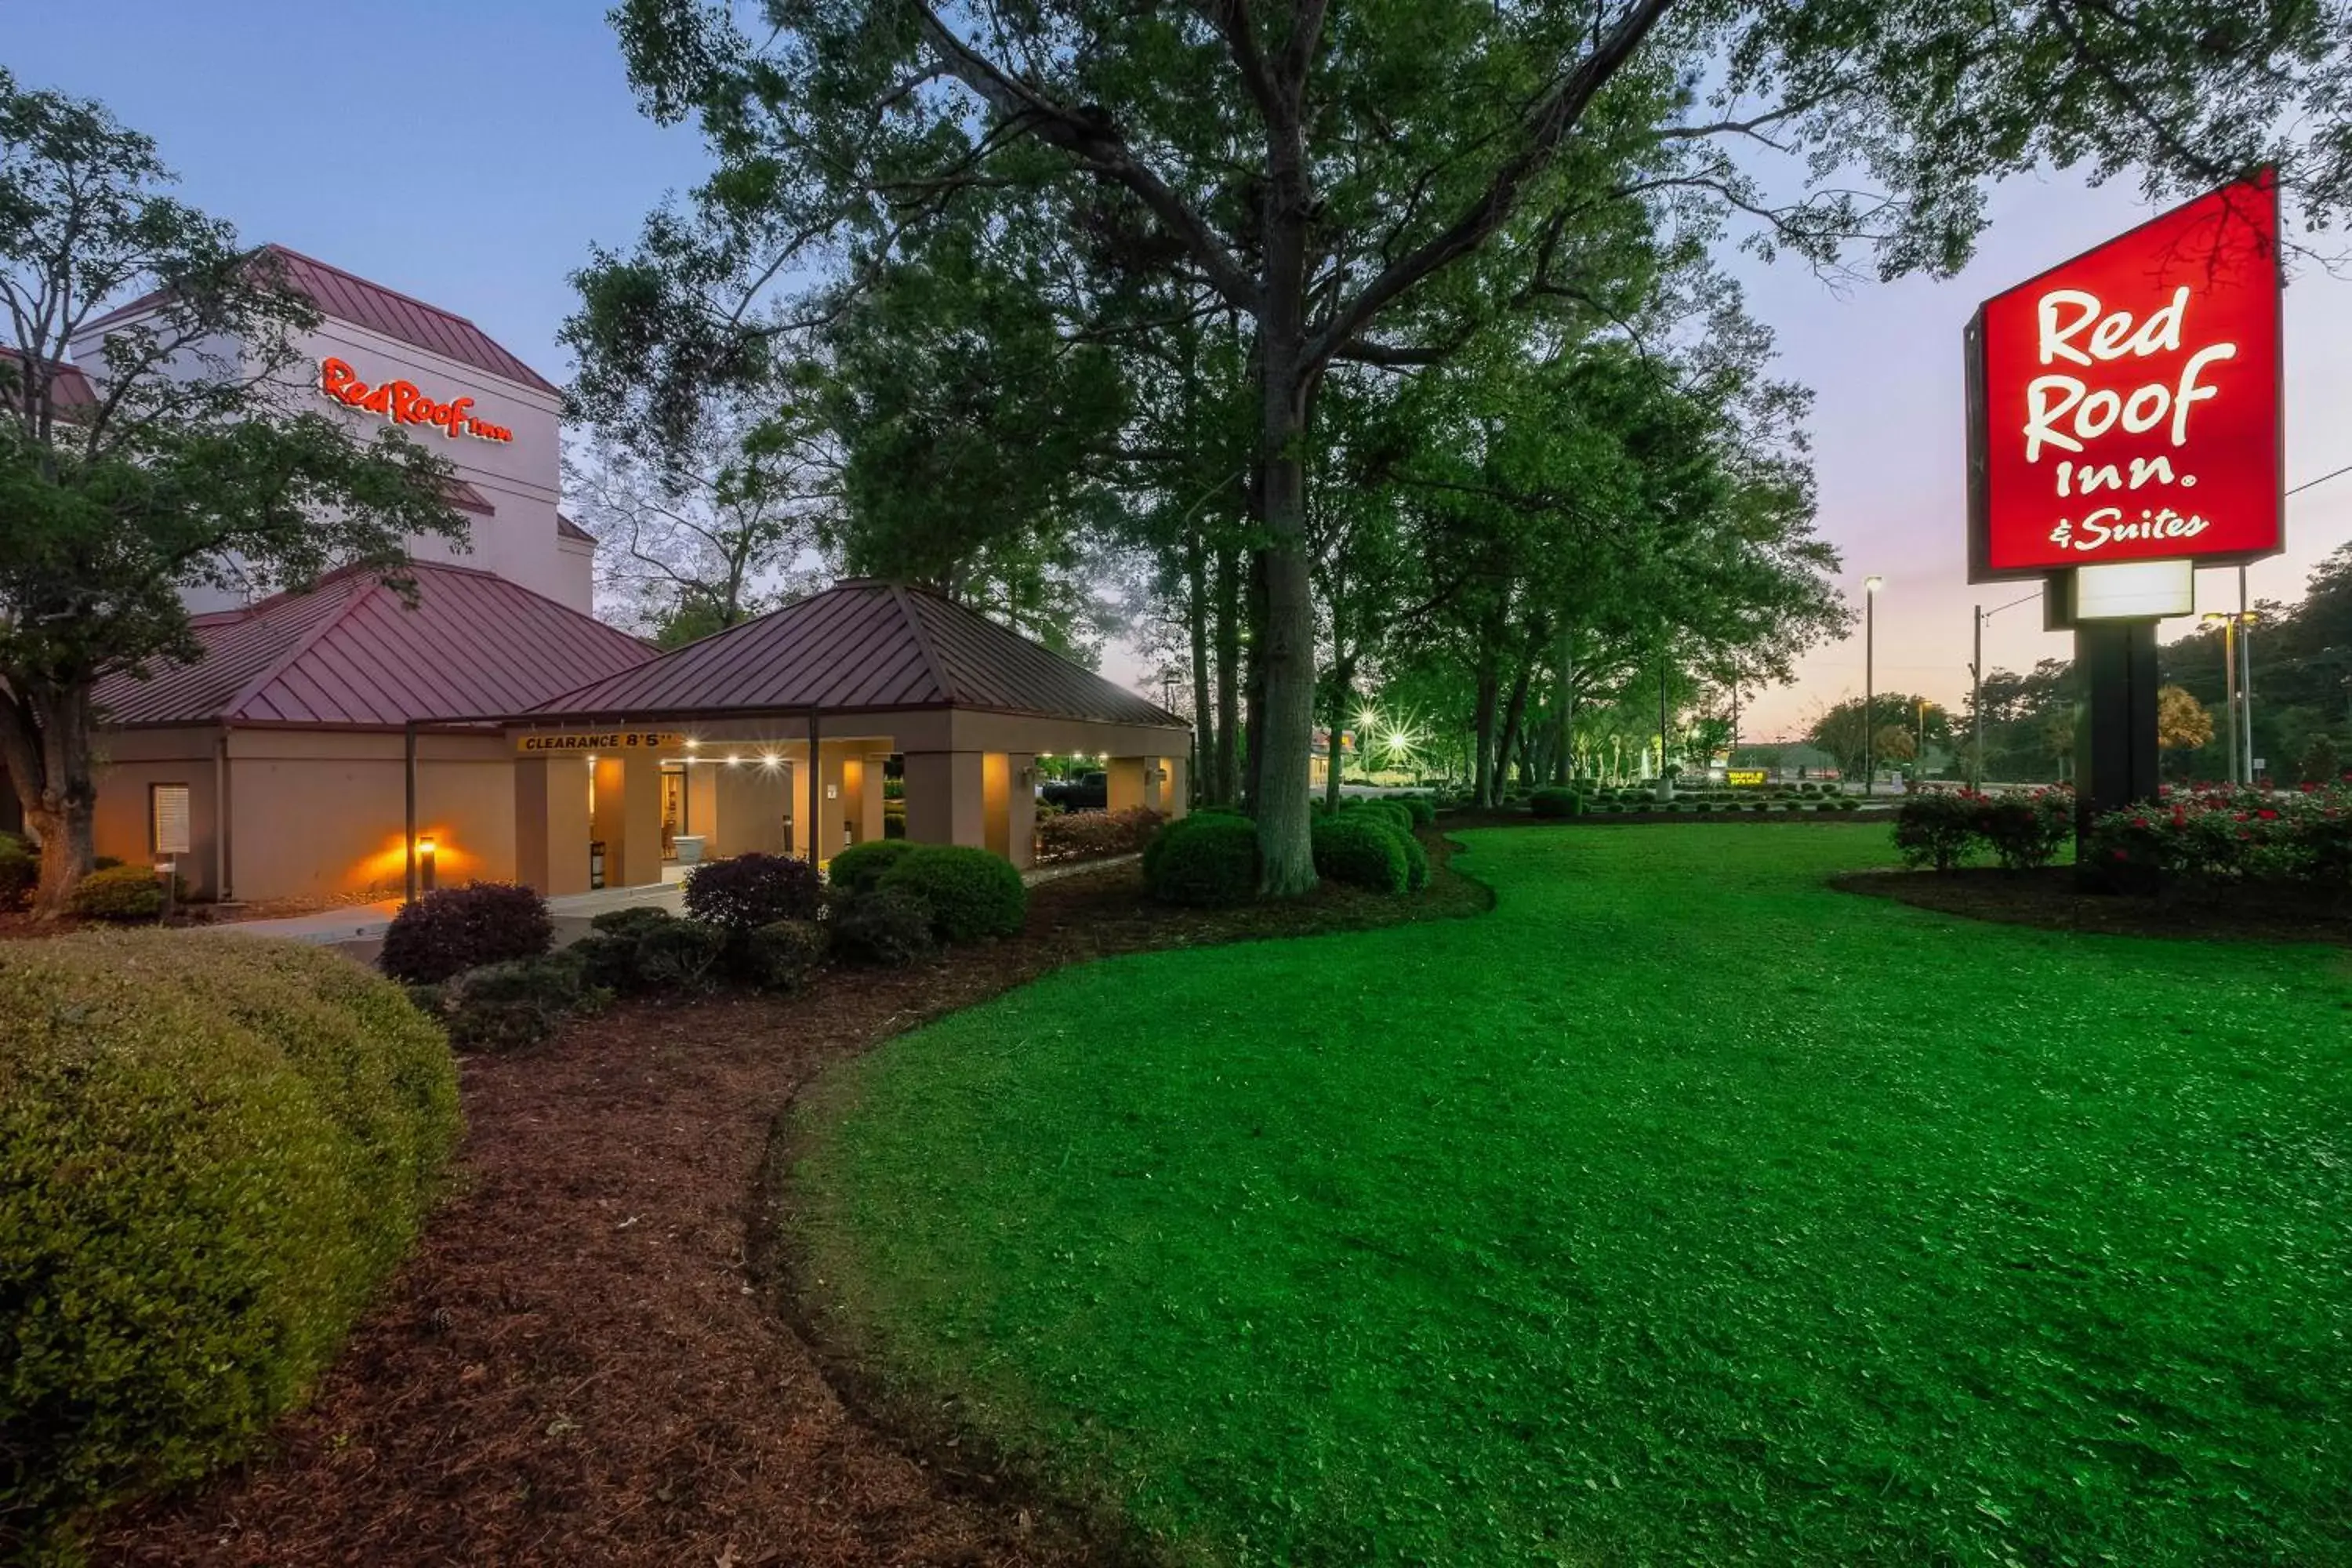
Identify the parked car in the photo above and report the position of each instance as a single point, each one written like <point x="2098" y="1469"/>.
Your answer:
<point x="1087" y="792"/>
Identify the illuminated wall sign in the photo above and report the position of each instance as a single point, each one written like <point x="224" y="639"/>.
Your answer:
<point x="2125" y="406"/>
<point x="600" y="741"/>
<point x="402" y="403"/>
<point x="1744" y="777"/>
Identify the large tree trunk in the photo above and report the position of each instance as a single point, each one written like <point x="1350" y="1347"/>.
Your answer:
<point x="1229" y="676"/>
<point x="45" y="744"/>
<point x="1482" y="777"/>
<point x="1514" y="715"/>
<point x="1287" y="660"/>
<point x="1564" y="715"/>
<point x="1196" y="593"/>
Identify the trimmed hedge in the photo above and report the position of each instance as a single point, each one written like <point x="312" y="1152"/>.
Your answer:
<point x="516" y="1004"/>
<point x="745" y="892"/>
<point x="452" y="929"/>
<point x="785" y="956"/>
<point x="884" y="927"/>
<point x="971" y="893"/>
<point x="1361" y="852"/>
<point x="1556" y="802"/>
<point x="682" y="957"/>
<point x="856" y="868"/>
<point x="1095" y="835"/>
<point x="1418" y="807"/>
<point x="212" y="1152"/>
<point x="120" y="893"/>
<point x="1416" y="863"/>
<point x="1207" y="860"/>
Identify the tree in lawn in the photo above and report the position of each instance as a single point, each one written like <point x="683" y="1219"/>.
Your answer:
<point x="1330" y="173"/>
<point x="169" y="461"/>
<point x="696" y="545"/>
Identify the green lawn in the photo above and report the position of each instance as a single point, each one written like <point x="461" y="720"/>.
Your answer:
<point x="1679" y="1211"/>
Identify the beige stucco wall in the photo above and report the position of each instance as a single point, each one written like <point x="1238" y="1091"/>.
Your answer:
<point x="520" y="479"/>
<point x="128" y="764"/>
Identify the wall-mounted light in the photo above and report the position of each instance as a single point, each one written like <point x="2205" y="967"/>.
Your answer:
<point x="832" y="792"/>
<point x="426" y="846"/>
<point x="732" y="759"/>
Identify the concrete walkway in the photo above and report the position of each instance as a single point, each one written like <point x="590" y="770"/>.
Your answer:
<point x="366" y="922"/>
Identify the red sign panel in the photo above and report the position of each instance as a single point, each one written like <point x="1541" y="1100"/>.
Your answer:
<point x="2125" y="406"/>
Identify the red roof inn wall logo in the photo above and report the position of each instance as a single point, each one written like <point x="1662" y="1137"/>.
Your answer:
<point x="403" y="404"/>
<point x="2125" y="406"/>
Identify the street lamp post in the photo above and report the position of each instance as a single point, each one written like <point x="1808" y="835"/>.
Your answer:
<point x="1976" y="689"/>
<point x="2234" y="693"/>
<point x="1869" y="586"/>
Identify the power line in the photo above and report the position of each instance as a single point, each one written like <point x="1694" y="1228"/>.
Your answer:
<point x="2322" y="479"/>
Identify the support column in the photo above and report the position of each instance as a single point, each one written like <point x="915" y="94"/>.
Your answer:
<point x="552" y="830"/>
<point x="946" y="797"/>
<point x="1123" y="777"/>
<point x="629" y="819"/>
<point x="1176" y="795"/>
<point x="833" y="805"/>
<point x="1021" y="808"/>
<point x="868" y="817"/>
<point x="2114" y="725"/>
<point x="996" y="803"/>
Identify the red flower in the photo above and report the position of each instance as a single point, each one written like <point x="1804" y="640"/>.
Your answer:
<point x="2267" y="815"/>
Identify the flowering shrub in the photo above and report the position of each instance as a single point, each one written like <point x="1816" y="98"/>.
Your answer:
<point x="2222" y="833"/>
<point x="1943" y="827"/>
<point x="1092" y="835"/>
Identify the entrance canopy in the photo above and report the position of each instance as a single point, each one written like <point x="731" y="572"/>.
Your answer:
<point x="781" y="726"/>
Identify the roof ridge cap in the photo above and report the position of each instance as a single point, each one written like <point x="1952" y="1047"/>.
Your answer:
<point x="310" y="260"/>
<point x="923" y="641"/>
<point x="300" y="644"/>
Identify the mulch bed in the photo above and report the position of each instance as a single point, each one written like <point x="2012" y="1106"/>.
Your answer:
<point x="2048" y="897"/>
<point x="586" y="1362"/>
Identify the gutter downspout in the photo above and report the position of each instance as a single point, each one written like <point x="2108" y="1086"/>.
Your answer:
<point x="222" y="816"/>
<point x="408" y="762"/>
<point x="815" y="773"/>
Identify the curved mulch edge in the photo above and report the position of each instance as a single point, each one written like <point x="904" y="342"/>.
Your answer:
<point x="924" y="1425"/>
<point x="2046" y="897"/>
<point x="588" y="1359"/>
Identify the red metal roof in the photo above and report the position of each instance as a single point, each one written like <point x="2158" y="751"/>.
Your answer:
<point x="348" y="297"/>
<point x="351" y="652"/>
<point x="68" y="388"/>
<point x="863" y="645"/>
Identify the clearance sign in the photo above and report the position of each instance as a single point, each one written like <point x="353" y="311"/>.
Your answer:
<point x="2125" y="405"/>
<point x="599" y="741"/>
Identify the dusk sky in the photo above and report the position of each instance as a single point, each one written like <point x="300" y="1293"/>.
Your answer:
<point x="469" y="153"/>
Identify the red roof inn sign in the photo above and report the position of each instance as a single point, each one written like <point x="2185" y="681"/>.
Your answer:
<point x="404" y="404"/>
<point x="2124" y="407"/>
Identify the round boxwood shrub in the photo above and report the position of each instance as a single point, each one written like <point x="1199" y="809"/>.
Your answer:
<point x="1361" y="853"/>
<point x="971" y="893"/>
<point x="682" y="957"/>
<point x="745" y="892"/>
<point x="884" y="927"/>
<point x="856" y="868"/>
<point x="513" y="1005"/>
<point x="452" y="929"/>
<point x="1416" y="863"/>
<point x="118" y="893"/>
<point x="1207" y="860"/>
<point x="1556" y="802"/>
<point x="633" y="921"/>
<point x="1388" y="811"/>
<point x="212" y="1150"/>
<point x="1418" y="807"/>
<point x="785" y="956"/>
<point x="20" y="870"/>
